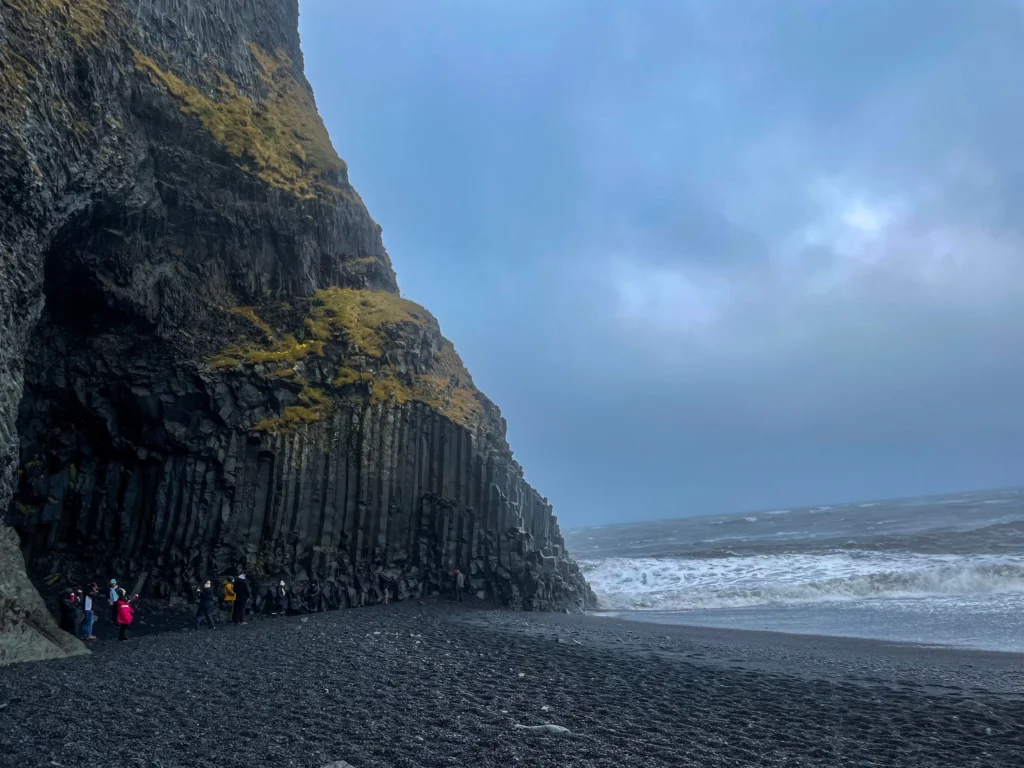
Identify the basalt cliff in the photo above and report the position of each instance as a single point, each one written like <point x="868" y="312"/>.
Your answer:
<point x="205" y="361"/>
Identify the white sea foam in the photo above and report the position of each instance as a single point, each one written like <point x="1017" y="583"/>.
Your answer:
<point x="735" y="582"/>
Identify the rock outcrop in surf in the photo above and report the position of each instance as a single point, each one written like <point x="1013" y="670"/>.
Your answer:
<point x="205" y="361"/>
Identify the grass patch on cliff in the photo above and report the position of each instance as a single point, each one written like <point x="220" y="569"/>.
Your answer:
<point x="368" y="324"/>
<point x="249" y="313"/>
<point x="291" y="109"/>
<point x="362" y="317"/>
<point x="280" y="349"/>
<point x="288" y="350"/>
<point x="85" y="21"/>
<point x="284" y="373"/>
<point x="314" y="406"/>
<point x="448" y="388"/>
<point x="389" y="386"/>
<point x="224" y="361"/>
<point x="291" y="418"/>
<point x="282" y="135"/>
<point x="15" y="74"/>
<point x="347" y="377"/>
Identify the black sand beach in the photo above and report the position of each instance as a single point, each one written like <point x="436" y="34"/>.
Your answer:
<point x="436" y="685"/>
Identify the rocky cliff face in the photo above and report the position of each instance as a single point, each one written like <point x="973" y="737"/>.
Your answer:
<point x="205" y="363"/>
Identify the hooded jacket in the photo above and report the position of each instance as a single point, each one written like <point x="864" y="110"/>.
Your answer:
<point x="279" y="598"/>
<point x="206" y="599"/>
<point x="68" y="610"/>
<point x="229" y="592"/>
<point x="125" y="614"/>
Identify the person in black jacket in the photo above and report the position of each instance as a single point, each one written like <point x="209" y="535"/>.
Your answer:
<point x="241" y="598"/>
<point x="68" y="611"/>
<point x="312" y="596"/>
<point x="205" y="601"/>
<point x="279" y="600"/>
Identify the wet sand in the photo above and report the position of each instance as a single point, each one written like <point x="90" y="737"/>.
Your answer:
<point x="437" y="685"/>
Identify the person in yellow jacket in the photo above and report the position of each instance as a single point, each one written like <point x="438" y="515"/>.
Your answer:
<point x="229" y="594"/>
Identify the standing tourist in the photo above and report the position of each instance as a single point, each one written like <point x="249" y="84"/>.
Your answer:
<point x="112" y="599"/>
<point x="458" y="584"/>
<point x="279" y="600"/>
<point x="205" y="602"/>
<point x="91" y="593"/>
<point x="125" y="615"/>
<point x="229" y="593"/>
<point x="241" y="598"/>
<point x="68" y="611"/>
<point x="312" y="596"/>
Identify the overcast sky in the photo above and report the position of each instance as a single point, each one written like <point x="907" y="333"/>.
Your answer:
<point x="707" y="256"/>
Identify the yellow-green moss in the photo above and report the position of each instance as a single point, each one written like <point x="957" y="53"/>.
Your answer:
<point x="283" y="350"/>
<point x="362" y="317"/>
<point x="84" y="20"/>
<point x="224" y="361"/>
<point x="387" y="387"/>
<point x="313" y="397"/>
<point x="288" y="350"/>
<point x="292" y="109"/>
<point x="370" y="322"/>
<point x="249" y="314"/>
<point x="456" y="402"/>
<point x="15" y="74"/>
<point x="449" y="363"/>
<point x="347" y="377"/>
<point x="282" y="134"/>
<point x="448" y="388"/>
<point x="291" y="418"/>
<point x="284" y="373"/>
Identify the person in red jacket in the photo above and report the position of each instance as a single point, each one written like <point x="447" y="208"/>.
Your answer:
<point x="125" y="614"/>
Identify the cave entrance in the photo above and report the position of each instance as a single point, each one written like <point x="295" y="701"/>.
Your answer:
<point x="73" y="479"/>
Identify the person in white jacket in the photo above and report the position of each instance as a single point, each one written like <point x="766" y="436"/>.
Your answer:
<point x="91" y="593"/>
<point x="112" y="599"/>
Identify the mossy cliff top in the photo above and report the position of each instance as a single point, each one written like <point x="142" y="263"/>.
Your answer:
<point x="84" y="21"/>
<point x="368" y="346"/>
<point x="45" y="25"/>
<point x="281" y="138"/>
<point x="271" y="126"/>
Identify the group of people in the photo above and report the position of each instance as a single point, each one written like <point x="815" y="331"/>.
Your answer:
<point x="78" y="610"/>
<point x="277" y="601"/>
<point x="235" y="598"/>
<point x="78" y="606"/>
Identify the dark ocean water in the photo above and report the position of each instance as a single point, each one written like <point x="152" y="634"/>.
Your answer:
<point x="945" y="570"/>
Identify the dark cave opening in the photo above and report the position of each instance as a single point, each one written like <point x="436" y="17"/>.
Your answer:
<point x="79" y="422"/>
<point x="82" y="293"/>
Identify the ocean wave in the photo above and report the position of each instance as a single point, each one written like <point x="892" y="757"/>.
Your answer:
<point x="686" y="584"/>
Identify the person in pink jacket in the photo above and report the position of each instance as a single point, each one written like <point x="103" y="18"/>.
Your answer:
<point x="125" y="614"/>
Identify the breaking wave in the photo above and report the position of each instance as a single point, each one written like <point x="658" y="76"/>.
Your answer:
<point x="677" y="584"/>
